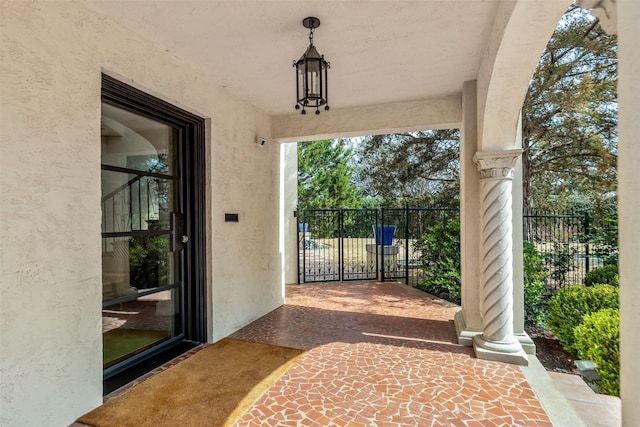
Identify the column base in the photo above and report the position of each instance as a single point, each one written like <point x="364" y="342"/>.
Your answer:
<point x="526" y="342"/>
<point x="465" y="335"/>
<point x="509" y="352"/>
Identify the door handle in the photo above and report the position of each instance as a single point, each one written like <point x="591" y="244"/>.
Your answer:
<point x="177" y="238"/>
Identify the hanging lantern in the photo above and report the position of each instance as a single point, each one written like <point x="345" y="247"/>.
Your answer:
<point x="311" y="74"/>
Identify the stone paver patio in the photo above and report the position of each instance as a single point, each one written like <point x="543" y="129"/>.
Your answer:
<point x="382" y="354"/>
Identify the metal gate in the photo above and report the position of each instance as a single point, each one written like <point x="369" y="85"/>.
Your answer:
<point x="337" y="245"/>
<point x="364" y="244"/>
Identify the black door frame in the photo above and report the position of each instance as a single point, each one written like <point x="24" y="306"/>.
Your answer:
<point x="192" y="132"/>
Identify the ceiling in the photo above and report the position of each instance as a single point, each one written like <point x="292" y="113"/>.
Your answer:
<point x="380" y="51"/>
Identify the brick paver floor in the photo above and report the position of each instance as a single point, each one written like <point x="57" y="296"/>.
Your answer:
<point x="382" y="354"/>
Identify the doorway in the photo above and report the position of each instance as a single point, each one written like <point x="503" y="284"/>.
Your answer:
<point x="153" y="267"/>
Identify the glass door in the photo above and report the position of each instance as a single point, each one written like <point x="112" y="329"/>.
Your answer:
<point x="143" y="237"/>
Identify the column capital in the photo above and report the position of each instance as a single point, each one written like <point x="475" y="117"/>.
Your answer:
<point x="496" y="164"/>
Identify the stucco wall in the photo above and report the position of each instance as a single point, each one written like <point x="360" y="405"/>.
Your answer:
<point x="469" y="218"/>
<point x="395" y="117"/>
<point x="289" y="191"/>
<point x="50" y="287"/>
<point x="629" y="207"/>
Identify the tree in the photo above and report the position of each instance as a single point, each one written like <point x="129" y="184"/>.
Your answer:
<point x="420" y="167"/>
<point x="570" y="117"/>
<point x="325" y="177"/>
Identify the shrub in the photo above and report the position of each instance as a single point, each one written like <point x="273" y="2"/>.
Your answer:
<point x="444" y="284"/>
<point x="598" y="339"/>
<point x="440" y="249"/>
<point x="440" y="255"/>
<point x="607" y="274"/>
<point x="535" y="306"/>
<point x="569" y="305"/>
<point x="561" y="259"/>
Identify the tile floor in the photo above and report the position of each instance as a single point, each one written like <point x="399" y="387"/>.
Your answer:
<point x="382" y="354"/>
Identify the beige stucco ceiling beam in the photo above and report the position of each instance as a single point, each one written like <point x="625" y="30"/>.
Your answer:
<point x="440" y="113"/>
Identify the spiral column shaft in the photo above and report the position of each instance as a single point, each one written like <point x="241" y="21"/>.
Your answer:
<point x="497" y="259"/>
<point x="497" y="341"/>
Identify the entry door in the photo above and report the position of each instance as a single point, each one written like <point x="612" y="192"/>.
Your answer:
<point x="148" y="259"/>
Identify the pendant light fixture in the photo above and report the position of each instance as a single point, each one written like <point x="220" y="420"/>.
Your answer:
<point x="311" y="74"/>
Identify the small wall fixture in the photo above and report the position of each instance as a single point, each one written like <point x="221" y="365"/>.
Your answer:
<point x="311" y="74"/>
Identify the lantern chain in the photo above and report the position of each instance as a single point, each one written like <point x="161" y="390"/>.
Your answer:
<point x="311" y="35"/>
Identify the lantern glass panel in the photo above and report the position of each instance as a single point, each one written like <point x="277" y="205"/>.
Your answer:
<point x="302" y="90"/>
<point x="314" y="85"/>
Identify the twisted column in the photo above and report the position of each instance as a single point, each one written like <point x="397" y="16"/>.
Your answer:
<point x="497" y="341"/>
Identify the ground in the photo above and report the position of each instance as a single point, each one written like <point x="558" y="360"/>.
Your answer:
<point x="550" y="353"/>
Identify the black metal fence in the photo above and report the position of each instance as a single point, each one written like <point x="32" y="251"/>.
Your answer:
<point x="349" y="244"/>
<point x="571" y="244"/>
<point x="364" y="244"/>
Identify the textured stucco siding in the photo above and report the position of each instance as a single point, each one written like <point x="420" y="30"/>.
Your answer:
<point x="629" y="207"/>
<point x="53" y="54"/>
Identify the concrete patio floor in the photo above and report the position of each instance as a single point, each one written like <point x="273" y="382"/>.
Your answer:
<point x="384" y="354"/>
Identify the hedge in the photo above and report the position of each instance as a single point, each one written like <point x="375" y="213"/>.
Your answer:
<point x="598" y="339"/>
<point x="569" y="305"/>
<point x="607" y="274"/>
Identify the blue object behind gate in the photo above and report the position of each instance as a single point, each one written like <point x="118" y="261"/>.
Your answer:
<point x="386" y="236"/>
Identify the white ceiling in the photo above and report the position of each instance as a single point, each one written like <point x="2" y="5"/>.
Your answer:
<point x="380" y="51"/>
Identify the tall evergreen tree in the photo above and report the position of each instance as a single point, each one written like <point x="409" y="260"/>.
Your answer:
<point x="325" y="176"/>
<point x="418" y="167"/>
<point x="570" y="116"/>
<point x="569" y="138"/>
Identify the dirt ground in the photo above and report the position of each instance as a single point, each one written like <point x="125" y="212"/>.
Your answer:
<point x="550" y="353"/>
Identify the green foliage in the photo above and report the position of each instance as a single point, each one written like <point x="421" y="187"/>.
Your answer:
<point x="535" y="306"/>
<point x="598" y="339"/>
<point x="561" y="260"/>
<point x="419" y="167"/>
<point x="325" y="178"/>
<point x="604" y="234"/>
<point x="607" y="274"/>
<point x="570" y="116"/>
<point x="569" y="305"/>
<point x="602" y="231"/>
<point x="440" y="256"/>
<point x="148" y="262"/>
<point x="534" y="270"/>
